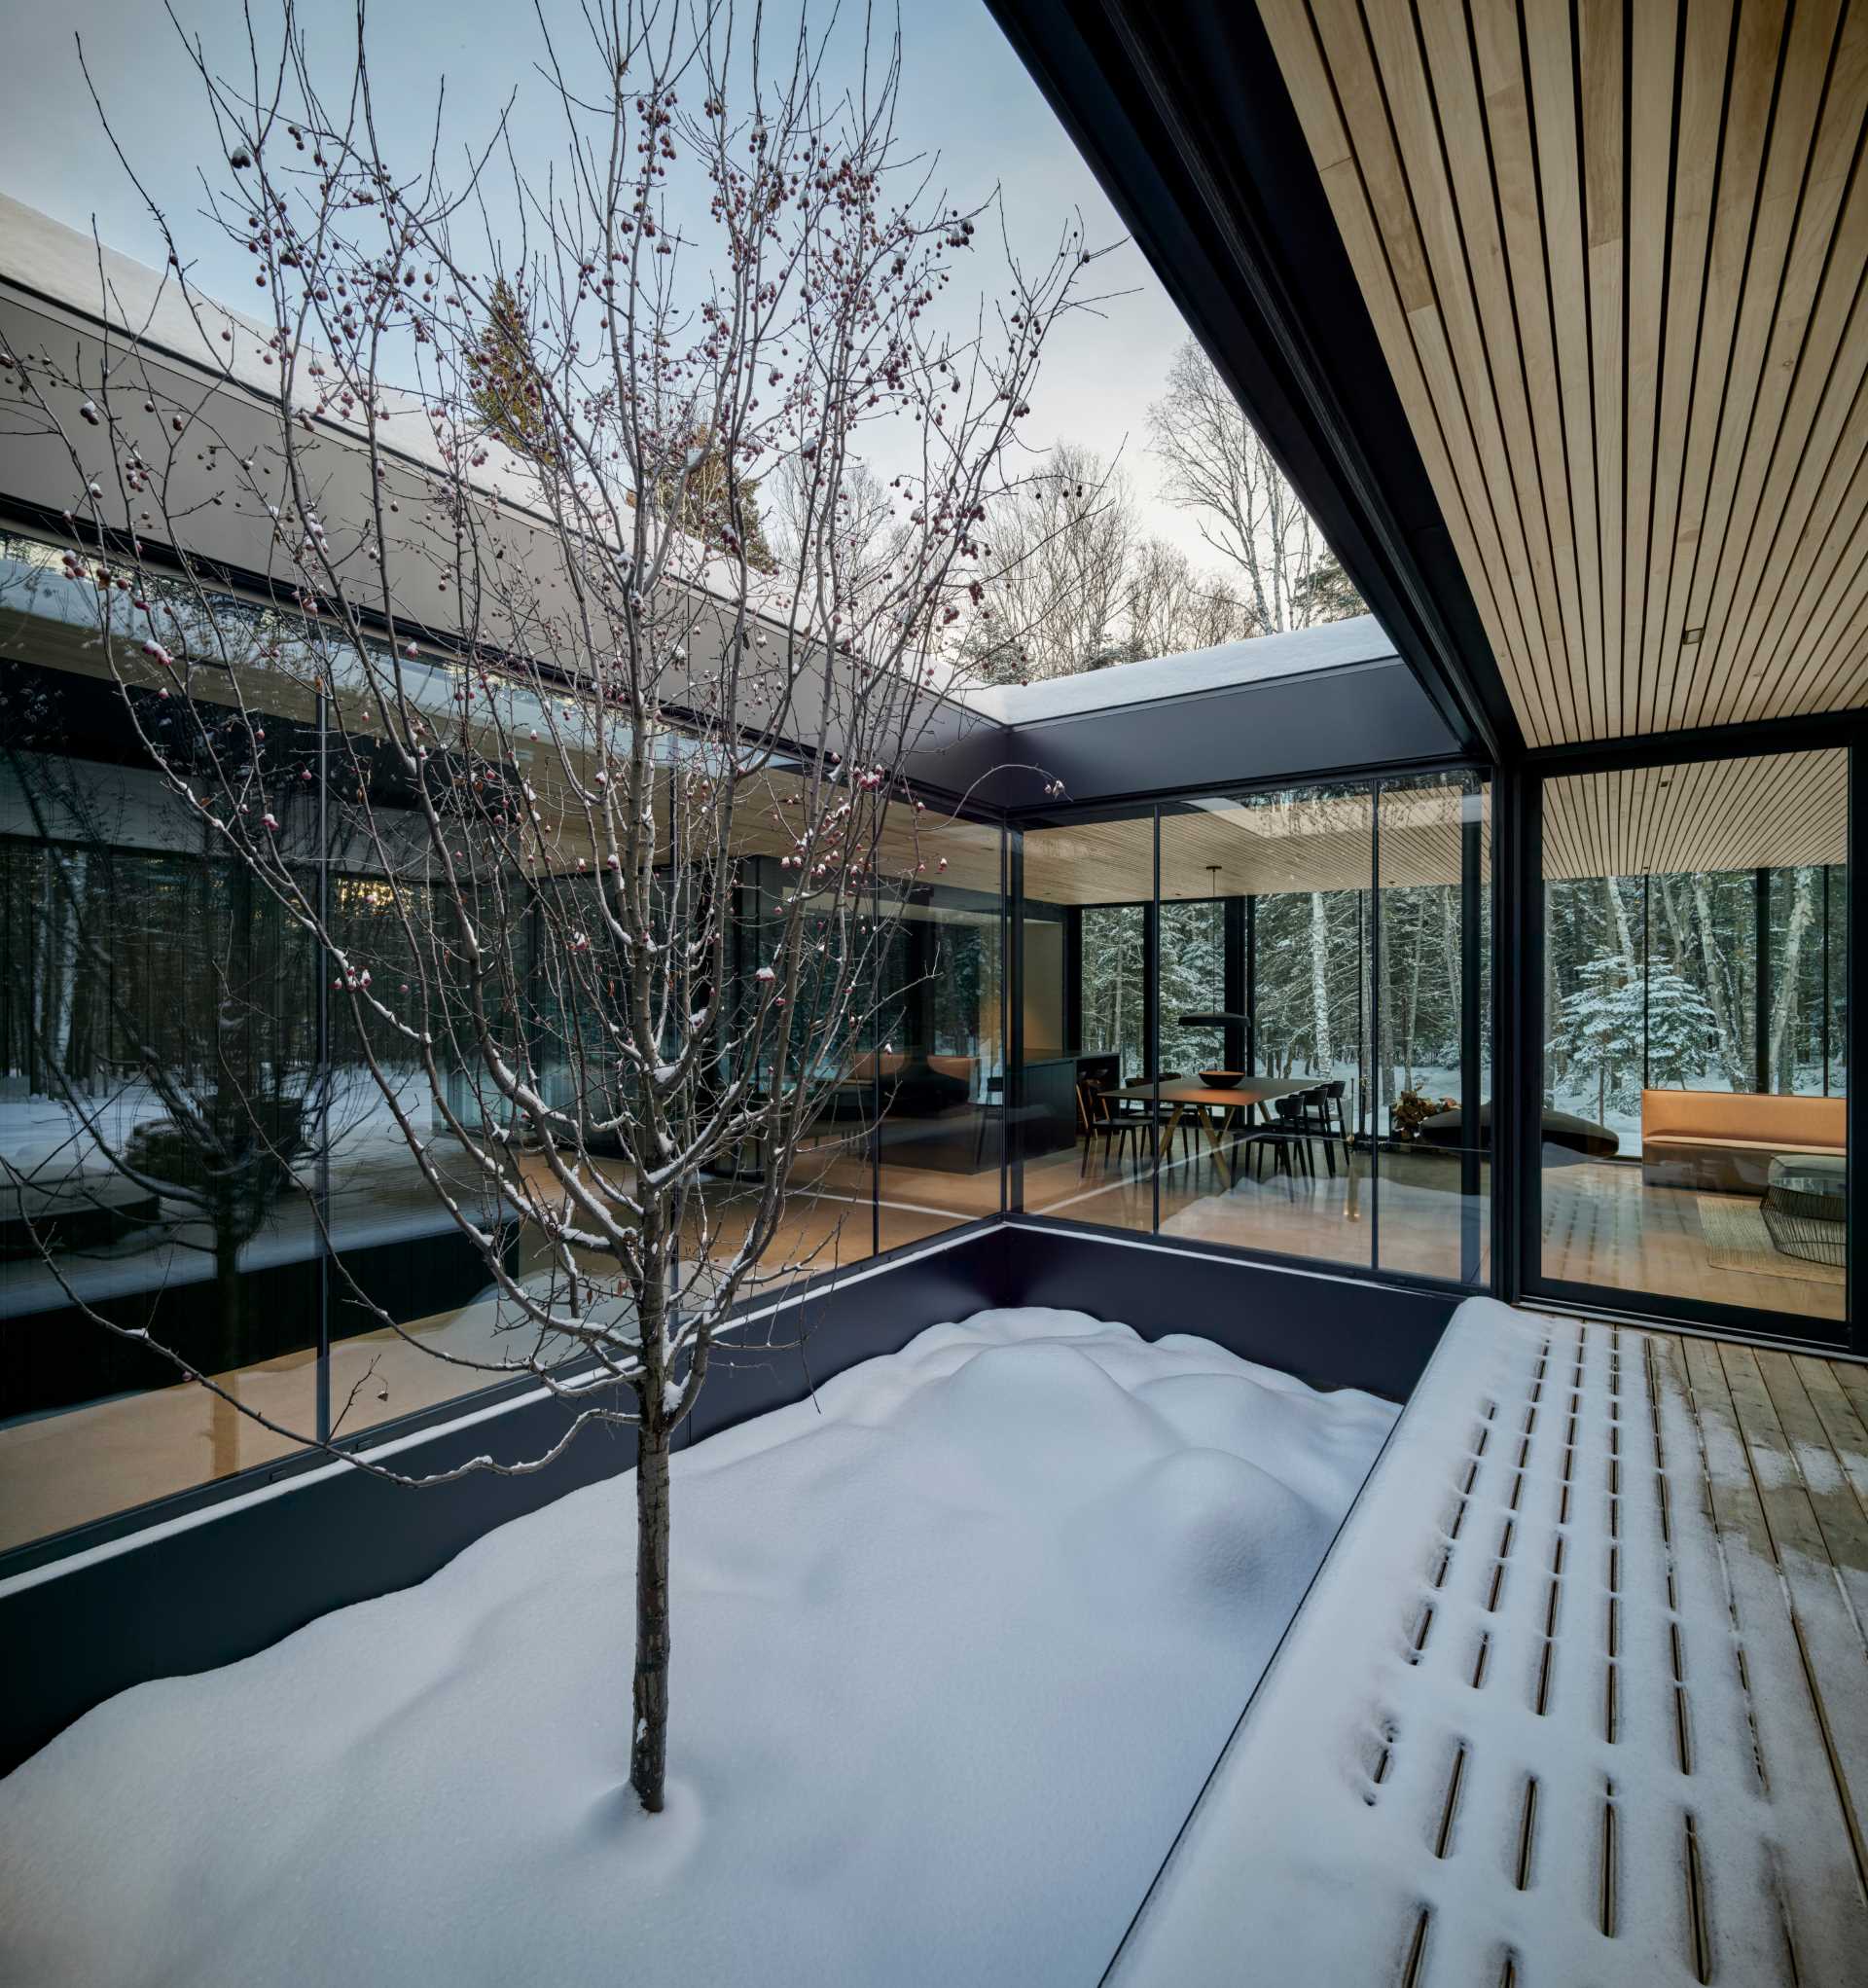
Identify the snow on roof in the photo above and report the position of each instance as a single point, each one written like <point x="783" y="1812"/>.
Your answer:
<point x="1303" y="651"/>
<point x="70" y="267"/>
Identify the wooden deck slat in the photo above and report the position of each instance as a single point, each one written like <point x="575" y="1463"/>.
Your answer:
<point x="1844" y="1426"/>
<point x="1729" y="1392"/>
<point x="1833" y="1494"/>
<point x="1591" y="1638"/>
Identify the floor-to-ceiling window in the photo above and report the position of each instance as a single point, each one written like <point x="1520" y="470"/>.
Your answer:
<point x="1430" y="1111"/>
<point x="206" y="1141"/>
<point x="1088" y="943"/>
<point x="1693" y="1032"/>
<point x="941" y="1068"/>
<point x="1275" y="1021"/>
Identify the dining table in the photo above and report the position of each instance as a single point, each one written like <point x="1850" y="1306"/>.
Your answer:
<point x="1217" y="1108"/>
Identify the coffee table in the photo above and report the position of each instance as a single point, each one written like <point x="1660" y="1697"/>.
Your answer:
<point x="1806" y="1206"/>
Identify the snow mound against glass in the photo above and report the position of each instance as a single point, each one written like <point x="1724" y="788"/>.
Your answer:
<point x="956" y="1646"/>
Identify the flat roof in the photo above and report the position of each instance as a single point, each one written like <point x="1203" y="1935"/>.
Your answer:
<point x="1331" y="646"/>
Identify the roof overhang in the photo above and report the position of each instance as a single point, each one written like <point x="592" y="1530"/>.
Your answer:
<point x="1183" y="115"/>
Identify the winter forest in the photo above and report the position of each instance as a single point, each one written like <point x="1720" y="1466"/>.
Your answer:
<point x="1310" y="974"/>
<point x="1725" y="980"/>
<point x="1648" y="982"/>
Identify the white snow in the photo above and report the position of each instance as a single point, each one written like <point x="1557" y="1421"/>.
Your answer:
<point x="1431" y="1758"/>
<point x="957" y="1644"/>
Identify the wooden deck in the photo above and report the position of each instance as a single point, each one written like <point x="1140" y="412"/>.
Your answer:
<point x="1580" y="1695"/>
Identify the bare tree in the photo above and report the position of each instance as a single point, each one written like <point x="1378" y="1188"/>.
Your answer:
<point x="1248" y="511"/>
<point x="1171" y="607"/>
<point x="1054" y="559"/>
<point x="557" y="798"/>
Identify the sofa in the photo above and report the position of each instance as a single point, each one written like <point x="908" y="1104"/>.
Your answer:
<point x="1723" y="1142"/>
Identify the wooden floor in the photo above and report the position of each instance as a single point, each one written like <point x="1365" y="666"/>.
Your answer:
<point x="1594" y="1635"/>
<point x="1602" y="1225"/>
<point x="65" y="1470"/>
<point x="1320" y="1217"/>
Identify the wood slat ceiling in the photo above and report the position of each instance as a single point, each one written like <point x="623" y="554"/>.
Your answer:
<point x="1724" y="814"/>
<point x="1614" y="253"/>
<point x="1229" y="850"/>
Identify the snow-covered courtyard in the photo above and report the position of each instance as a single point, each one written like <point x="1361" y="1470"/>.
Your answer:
<point x="957" y="1644"/>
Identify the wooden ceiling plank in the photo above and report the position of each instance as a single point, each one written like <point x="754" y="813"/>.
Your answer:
<point x="1599" y="61"/>
<point x="1653" y="58"/>
<point x="1505" y="458"/>
<point x="1552" y="91"/>
<point x="1706" y="54"/>
<point x="1767" y="272"/>
<point x="1612" y="253"/>
<point x="1819" y="549"/>
<point x="1822" y="284"/>
<point x="1537" y="701"/>
<point x="1486" y="159"/>
<point x="1741" y="172"/>
<point x="1390" y="293"/>
<point x="1823" y="656"/>
<point x="1733" y="815"/>
<point x="1472" y="531"/>
<point x="1336" y="28"/>
<point x="1811" y="447"/>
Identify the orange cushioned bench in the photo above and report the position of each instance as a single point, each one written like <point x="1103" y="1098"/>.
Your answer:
<point x="1724" y="1140"/>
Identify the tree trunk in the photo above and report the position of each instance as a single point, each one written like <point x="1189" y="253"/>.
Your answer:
<point x="1730" y="1053"/>
<point x="223" y="1419"/>
<point x="1624" y="937"/>
<point x="1321" y="983"/>
<point x="1802" y="911"/>
<point x="1414" y="996"/>
<point x="649" y="1756"/>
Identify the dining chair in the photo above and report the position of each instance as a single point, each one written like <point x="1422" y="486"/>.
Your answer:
<point x="1287" y="1139"/>
<point x="1324" y="1107"/>
<point x="1103" y="1118"/>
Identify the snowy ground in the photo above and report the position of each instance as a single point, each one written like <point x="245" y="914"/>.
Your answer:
<point x="955" y="1647"/>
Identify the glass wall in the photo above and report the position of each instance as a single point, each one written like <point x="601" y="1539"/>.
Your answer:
<point x="1695" y="1031"/>
<point x="1432" y="1085"/>
<point x="1087" y="1107"/>
<point x="1274" y="1039"/>
<point x="204" y="1146"/>
<point x="942" y="1061"/>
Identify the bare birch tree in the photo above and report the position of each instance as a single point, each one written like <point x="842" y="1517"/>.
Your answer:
<point x="1244" y="505"/>
<point x="1172" y="607"/>
<point x="546" y="700"/>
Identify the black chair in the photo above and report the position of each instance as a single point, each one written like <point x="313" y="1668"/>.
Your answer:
<point x="1324" y="1111"/>
<point x="1106" y="1118"/>
<point x="1155" y="1113"/>
<point x="1287" y="1139"/>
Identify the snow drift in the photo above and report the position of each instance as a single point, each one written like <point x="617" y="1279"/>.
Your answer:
<point x="956" y="1646"/>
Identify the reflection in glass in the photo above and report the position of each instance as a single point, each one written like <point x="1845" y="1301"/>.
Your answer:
<point x="204" y="1139"/>
<point x="1432" y="1103"/>
<point x="1261" y="1004"/>
<point x="941" y="1020"/>
<point x="1694" y="1070"/>
<point x="1086" y="923"/>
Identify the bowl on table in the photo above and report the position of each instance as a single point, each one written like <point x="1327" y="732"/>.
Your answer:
<point x="1221" y="1080"/>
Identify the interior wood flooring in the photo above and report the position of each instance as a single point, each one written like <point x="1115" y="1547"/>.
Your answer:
<point x="1602" y="1227"/>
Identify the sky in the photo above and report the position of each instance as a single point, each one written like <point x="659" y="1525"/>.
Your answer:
<point x="966" y="99"/>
